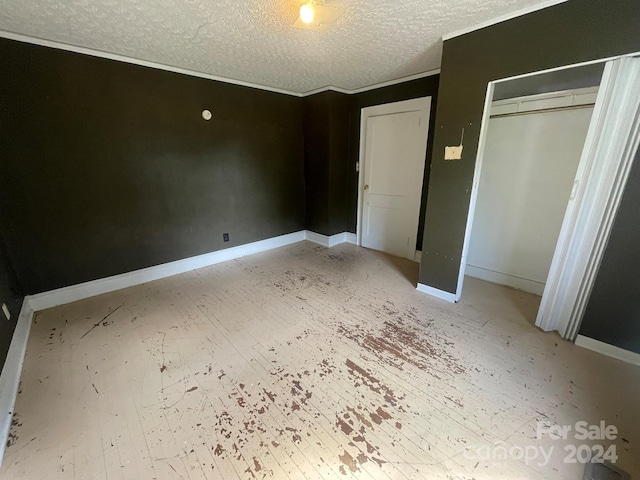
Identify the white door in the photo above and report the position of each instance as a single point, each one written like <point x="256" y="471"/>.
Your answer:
<point x="395" y="141"/>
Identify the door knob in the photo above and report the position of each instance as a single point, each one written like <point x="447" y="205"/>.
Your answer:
<point x="365" y="187"/>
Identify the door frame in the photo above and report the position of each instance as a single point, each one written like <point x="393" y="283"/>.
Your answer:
<point x="562" y="100"/>
<point x="589" y="219"/>
<point x="422" y="105"/>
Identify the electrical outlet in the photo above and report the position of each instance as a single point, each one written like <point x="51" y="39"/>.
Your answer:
<point x="225" y="237"/>
<point x="6" y="311"/>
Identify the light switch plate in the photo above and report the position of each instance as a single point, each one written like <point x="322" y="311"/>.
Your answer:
<point x="453" y="153"/>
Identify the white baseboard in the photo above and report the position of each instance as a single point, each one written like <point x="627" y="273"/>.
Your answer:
<point x="73" y="293"/>
<point x="317" y="238"/>
<point x="519" y="283"/>
<point x="607" y="349"/>
<point x="333" y="240"/>
<point x="10" y="376"/>
<point x="441" y="294"/>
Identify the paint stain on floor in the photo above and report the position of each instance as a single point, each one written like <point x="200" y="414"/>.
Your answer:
<point x="301" y="363"/>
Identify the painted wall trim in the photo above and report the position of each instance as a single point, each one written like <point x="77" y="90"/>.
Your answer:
<point x="351" y="238"/>
<point x="609" y="151"/>
<point x="608" y="350"/>
<point x="484" y="124"/>
<point x="73" y="293"/>
<point x="576" y="98"/>
<point x="566" y="67"/>
<point x="513" y="281"/>
<point x="135" y="61"/>
<point x="503" y="18"/>
<point x="417" y="76"/>
<point x="441" y="294"/>
<point x="331" y="241"/>
<point x="388" y="83"/>
<point x="193" y="73"/>
<point x="10" y="376"/>
<point x="418" y="256"/>
<point x="81" y="291"/>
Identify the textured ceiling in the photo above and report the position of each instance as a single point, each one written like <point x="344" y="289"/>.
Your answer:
<point x="254" y="41"/>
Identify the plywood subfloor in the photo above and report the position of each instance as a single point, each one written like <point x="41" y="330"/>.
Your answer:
<point x="307" y="363"/>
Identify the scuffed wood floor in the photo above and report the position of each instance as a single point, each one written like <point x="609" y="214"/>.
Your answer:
<point x="305" y="363"/>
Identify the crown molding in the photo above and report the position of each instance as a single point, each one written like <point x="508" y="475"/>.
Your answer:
<point x="328" y="88"/>
<point x="389" y="83"/>
<point x="136" y="61"/>
<point x="193" y="73"/>
<point x="503" y="18"/>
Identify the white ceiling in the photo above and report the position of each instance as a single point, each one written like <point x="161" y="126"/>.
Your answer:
<point x="253" y="40"/>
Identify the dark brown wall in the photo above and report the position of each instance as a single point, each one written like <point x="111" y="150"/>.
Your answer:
<point x="11" y="295"/>
<point x="109" y="167"/>
<point x="568" y="79"/>
<point x="613" y="312"/>
<point x="571" y="32"/>
<point x="326" y="137"/>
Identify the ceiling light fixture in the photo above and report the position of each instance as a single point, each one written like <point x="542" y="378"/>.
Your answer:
<point x="317" y="15"/>
<point x="307" y="12"/>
